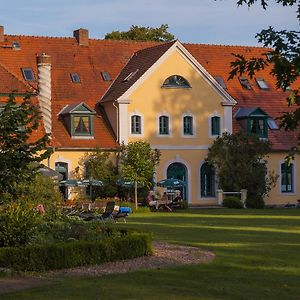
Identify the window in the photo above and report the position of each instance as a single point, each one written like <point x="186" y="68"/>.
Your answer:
<point x="28" y="74"/>
<point x="287" y="178"/>
<point x="245" y="83"/>
<point x="176" y="81"/>
<point x="258" y="126"/>
<point x="164" y="125"/>
<point x="16" y="46"/>
<point x="215" y="126"/>
<point x="136" y="124"/>
<point x="75" y="77"/>
<point x="187" y="125"/>
<point x="262" y="84"/>
<point x="81" y="125"/>
<point x="272" y="124"/>
<point x="105" y="76"/>
<point x="221" y="82"/>
<point x="207" y="177"/>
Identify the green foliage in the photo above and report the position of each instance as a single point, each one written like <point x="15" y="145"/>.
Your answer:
<point x="100" y="166"/>
<point x="18" y="224"/>
<point x="283" y="52"/>
<point x="140" y="33"/>
<point x="232" y="202"/>
<point x="138" y="162"/>
<point x="74" y="254"/>
<point x="17" y="154"/>
<point x="255" y="201"/>
<point x="239" y="159"/>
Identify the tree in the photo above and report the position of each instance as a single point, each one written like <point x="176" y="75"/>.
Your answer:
<point x="284" y="58"/>
<point x="140" y="33"/>
<point x="99" y="166"/>
<point x="239" y="159"/>
<point x="138" y="162"/>
<point x="17" y="151"/>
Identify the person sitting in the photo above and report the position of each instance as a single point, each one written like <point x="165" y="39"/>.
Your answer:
<point x="177" y="201"/>
<point x="150" y="200"/>
<point x="163" y="203"/>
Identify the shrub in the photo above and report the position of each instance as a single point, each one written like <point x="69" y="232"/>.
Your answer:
<point x="18" y="224"/>
<point x="255" y="201"/>
<point x="232" y="202"/>
<point x="79" y="253"/>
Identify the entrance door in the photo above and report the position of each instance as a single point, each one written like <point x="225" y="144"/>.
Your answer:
<point x="62" y="168"/>
<point x="178" y="171"/>
<point x="207" y="176"/>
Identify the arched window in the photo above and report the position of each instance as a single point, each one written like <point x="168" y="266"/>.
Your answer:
<point x="176" y="81"/>
<point x="136" y="124"/>
<point x="164" y="125"/>
<point x="207" y="177"/>
<point x="188" y="125"/>
<point x="215" y="126"/>
<point x="287" y="178"/>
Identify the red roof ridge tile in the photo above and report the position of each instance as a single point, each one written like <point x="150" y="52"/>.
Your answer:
<point x="226" y="46"/>
<point x="37" y="36"/>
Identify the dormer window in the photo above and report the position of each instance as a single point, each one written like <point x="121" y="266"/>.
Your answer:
<point x="262" y="84"/>
<point x="28" y="74"/>
<point x="79" y="120"/>
<point x="176" y="81"/>
<point x="245" y="83"/>
<point x="75" y="77"/>
<point x="253" y="120"/>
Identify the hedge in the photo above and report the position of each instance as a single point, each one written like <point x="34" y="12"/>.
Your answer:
<point x="74" y="254"/>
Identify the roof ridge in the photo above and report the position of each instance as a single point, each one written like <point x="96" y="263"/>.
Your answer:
<point x="16" y="77"/>
<point x="227" y="46"/>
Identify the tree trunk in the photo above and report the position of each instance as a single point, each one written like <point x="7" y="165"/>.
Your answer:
<point x="135" y="195"/>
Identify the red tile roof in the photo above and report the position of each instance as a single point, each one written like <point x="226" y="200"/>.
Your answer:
<point x="120" y="58"/>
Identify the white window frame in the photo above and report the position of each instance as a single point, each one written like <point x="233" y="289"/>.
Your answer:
<point x="188" y="136"/>
<point x="215" y="114"/>
<point x="294" y="192"/>
<point x="170" y="125"/>
<point x="135" y="113"/>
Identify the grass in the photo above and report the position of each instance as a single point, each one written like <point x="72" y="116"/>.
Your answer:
<point x="257" y="257"/>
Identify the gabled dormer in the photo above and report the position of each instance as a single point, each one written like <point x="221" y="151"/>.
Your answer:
<point x="253" y="120"/>
<point x="79" y="120"/>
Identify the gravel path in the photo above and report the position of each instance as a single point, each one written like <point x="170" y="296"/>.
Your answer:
<point x="165" y="255"/>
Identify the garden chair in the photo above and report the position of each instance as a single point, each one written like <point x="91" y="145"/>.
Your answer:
<point x="123" y="213"/>
<point x="108" y="213"/>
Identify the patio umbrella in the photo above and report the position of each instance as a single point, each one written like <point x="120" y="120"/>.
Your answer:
<point x="124" y="183"/>
<point x="93" y="182"/>
<point x="46" y="171"/>
<point x="72" y="183"/>
<point x="171" y="183"/>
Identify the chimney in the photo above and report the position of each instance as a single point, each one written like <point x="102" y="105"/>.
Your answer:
<point x="1" y="34"/>
<point x="82" y="36"/>
<point x="44" y="86"/>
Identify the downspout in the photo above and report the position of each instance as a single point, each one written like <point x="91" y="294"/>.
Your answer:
<point x="117" y="109"/>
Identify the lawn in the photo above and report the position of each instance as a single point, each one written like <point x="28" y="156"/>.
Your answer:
<point x="257" y="257"/>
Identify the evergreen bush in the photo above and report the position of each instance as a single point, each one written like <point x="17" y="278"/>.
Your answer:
<point x="232" y="202"/>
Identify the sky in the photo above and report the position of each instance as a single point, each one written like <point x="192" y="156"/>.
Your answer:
<point x="191" y="21"/>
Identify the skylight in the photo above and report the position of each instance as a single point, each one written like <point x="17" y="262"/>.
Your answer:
<point x="245" y="83"/>
<point x="75" y="77"/>
<point x="262" y="84"/>
<point x="106" y="76"/>
<point x="221" y="82"/>
<point x="28" y="74"/>
<point x="272" y="124"/>
<point x="130" y="75"/>
<point x="16" y="46"/>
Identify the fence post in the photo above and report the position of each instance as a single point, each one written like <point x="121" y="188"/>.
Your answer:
<point x="220" y="197"/>
<point x="244" y="196"/>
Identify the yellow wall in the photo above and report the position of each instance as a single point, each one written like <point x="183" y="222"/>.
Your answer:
<point x="276" y="196"/>
<point x="200" y="100"/>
